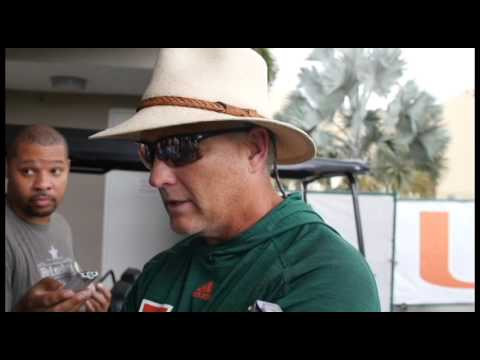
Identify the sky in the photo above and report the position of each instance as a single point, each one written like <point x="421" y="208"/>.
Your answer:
<point x="442" y="72"/>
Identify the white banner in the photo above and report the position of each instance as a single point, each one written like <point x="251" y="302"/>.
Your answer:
<point x="377" y="213"/>
<point x="434" y="252"/>
<point x="136" y="224"/>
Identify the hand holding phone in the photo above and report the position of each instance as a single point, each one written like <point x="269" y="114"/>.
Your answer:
<point x="80" y="280"/>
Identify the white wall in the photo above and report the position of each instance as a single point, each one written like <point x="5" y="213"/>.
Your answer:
<point x="458" y="181"/>
<point x="136" y="225"/>
<point x="62" y="110"/>
<point x="83" y="207"/>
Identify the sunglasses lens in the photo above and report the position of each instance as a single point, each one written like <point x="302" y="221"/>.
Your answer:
<point x="178" y="150"/>
<point x="186" y="152"/>
<point x="174" y="151"/>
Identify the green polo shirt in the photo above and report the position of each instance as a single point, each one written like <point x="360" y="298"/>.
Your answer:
<point x="290" y="257"/>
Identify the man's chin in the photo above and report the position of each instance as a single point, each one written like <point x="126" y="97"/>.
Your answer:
<point x="183" y="228"/>
<point x="41" y="212"/>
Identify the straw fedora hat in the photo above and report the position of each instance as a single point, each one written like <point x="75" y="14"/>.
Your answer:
<point x="204" y="89"/>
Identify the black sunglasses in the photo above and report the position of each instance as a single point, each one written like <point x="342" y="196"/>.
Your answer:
<point x="178" y="150"/>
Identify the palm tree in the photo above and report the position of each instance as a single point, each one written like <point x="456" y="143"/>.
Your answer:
<point x="271" y="63"/>
<point x="404" y="144"/>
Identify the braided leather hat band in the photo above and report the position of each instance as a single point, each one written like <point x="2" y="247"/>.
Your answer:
<point x="218" y="106"/>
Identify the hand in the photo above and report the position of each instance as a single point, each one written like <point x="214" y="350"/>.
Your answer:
<point x="100" y="300"/>
<point x="49" y="295"/>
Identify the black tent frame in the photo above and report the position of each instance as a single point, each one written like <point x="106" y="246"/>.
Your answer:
<point x="316" y="169"/>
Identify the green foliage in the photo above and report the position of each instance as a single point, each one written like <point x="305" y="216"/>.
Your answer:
<point x="404" y="144"/>
<point x="271" y="63"/>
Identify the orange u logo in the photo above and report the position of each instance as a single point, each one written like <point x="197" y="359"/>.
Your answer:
<point x="434" y="251"/>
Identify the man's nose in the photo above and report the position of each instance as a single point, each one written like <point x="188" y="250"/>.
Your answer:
<point x="43" y="181"/>
<point x="162" y="174"/>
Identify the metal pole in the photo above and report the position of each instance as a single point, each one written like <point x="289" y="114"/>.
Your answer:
<point x="356" y="208"/>
<point x="304" y="188"/>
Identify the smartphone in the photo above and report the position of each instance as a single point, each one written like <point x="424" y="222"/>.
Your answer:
<point x="80" y="280"/>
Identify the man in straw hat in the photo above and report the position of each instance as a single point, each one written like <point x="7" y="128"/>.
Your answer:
<point x="204" y="132"/>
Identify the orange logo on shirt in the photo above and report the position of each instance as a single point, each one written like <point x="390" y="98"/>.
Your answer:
<point x="151" y="306"/>
<point x="204" y="292"/>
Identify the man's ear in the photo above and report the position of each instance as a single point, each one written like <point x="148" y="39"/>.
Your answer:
<point x="68" y="168"/>
<point x="258" y="141"/>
